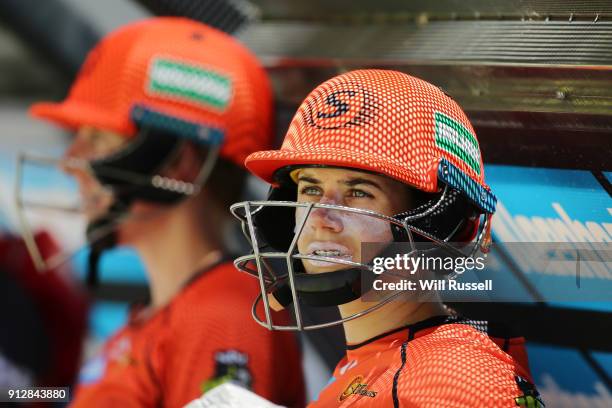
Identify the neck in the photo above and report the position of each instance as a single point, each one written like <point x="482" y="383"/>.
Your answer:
<point x="175" y="248"/>
<point x="392" y="315"/>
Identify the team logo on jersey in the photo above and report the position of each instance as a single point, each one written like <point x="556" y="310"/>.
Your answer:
<point x="456" y="139"/>
<point x="230" y="366"/>
<point x="357" y="387"/>
<point x="342" y="108"/>
<point x="531" y="397"/>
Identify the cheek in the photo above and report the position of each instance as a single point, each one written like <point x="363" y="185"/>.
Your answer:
<point x="367" y="229"/>
<point x="356" y="228"/>
<point x="299" y="216"/>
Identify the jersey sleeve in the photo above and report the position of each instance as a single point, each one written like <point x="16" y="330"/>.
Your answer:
<point x="462" y="372"/>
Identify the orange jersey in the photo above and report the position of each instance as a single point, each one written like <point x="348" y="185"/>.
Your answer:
<point x="444" y="362"/>
<point x="205" y="336"/>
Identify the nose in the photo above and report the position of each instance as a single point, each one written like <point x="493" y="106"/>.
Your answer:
<point x="80" y="147"/>
<point x="72" y="153"/>
<point x="326" y="218"/>
<point x="77" y="153"/>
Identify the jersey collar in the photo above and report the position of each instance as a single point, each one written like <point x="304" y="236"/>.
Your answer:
<point x="401" y="334"/>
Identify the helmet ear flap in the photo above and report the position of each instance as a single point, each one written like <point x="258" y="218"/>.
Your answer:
<point x="276" y="225"/>
<point x="143" y="158"/>
<point x="468" y="231"/>
<point x="454" y="219"/>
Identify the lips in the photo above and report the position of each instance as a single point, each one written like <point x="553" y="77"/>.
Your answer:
<point x="327" y="249"/>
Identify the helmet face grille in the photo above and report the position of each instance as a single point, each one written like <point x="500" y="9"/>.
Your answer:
<point x="296" y="273"/>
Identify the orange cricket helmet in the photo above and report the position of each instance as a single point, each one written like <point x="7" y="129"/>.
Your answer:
<point x="386" y="122"/>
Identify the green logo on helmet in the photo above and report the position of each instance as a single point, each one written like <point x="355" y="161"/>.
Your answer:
<point x="182" y="81"/>
<point x="456" y="139"/>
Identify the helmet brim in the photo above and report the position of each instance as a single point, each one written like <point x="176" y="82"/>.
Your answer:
<point x="71" y="115"/>
<point x="266" y="164"/>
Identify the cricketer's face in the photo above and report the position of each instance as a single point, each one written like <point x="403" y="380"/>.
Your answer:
<point x="339" y="234"/>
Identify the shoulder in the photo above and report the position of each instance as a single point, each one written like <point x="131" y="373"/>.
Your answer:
<point x="468" y="344"/>
<point x="459" y="364"/>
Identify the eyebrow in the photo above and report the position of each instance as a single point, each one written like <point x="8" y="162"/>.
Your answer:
<point x="354" y="181"/>
<point x="308" y="179"/>
<point x="360" y="180"/>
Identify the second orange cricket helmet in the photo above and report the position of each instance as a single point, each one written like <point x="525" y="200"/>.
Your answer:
<point x="191" y="78"/>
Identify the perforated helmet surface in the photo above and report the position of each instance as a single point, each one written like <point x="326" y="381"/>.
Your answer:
<point x="179" y="68"/>
<point x="386" y="122"/>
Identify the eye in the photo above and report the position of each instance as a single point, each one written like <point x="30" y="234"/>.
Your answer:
<point x="310" y="191"/>
<point x="355" y="193"/>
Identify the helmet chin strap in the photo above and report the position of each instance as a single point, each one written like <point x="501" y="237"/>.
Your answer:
<point x="322" y="289"/>
<point x="93" y="259"/>
<point x="101" y="233"/>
